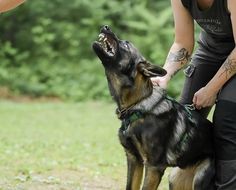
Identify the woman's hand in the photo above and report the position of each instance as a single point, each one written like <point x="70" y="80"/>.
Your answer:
<point x="204" y="98"/>
<point x="160" y="81"/>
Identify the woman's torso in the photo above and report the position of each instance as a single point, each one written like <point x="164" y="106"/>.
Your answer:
<point x="216" y="37"/>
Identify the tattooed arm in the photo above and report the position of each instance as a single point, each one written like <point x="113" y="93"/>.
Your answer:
<point x="6" y="5"/>
<point x="182" y="47"/>
<point x="206" y="96"/>
<point x="226" y="71"/>
<point x="176" y="60"/>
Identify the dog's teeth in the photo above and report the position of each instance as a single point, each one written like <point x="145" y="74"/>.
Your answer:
<point x="101" y="35"/>
<point x="106" y="44"/>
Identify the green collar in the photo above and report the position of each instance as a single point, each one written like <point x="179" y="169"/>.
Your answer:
<point x="131" y="117"/>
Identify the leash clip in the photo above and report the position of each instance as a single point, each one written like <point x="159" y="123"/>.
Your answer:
<point x="190" y="107"/>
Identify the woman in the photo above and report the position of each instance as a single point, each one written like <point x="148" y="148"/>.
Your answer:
<point x="211" y="73"/>
<point x="6" y="5"/>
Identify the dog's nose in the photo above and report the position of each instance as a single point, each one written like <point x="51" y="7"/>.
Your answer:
<point x="106" y="27"/>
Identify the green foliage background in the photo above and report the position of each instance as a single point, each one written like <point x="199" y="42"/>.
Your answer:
<point x="45" y="46"/>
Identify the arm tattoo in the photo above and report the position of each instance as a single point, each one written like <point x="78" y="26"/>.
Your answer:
<point x="229" y="67"/>
<point x="181" y="56"/>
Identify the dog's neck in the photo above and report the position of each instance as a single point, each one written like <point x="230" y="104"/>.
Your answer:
<point x="144" y="97"/>
<point x="131" y="97"/>
<point x="158" y="95"/>
<point x="146" y="104"/>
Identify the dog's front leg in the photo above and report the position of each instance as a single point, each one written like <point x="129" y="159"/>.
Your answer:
<point x="152" y="178"/>
<point x="135" y="172"/>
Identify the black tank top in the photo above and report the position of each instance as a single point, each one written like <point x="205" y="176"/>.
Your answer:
<point x="216" y="39"/>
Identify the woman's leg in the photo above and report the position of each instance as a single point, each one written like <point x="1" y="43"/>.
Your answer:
<point x="225" y="137"/>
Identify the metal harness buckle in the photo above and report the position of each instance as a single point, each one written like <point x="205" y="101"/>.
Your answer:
<point x="190" y="107"/>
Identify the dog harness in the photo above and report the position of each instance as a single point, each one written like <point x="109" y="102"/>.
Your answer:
<point x="130" y="118"/>
<point x="188" y="107"/>
<point x="130" y="115"/>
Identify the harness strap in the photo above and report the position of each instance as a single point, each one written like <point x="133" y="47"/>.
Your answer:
<point x="131" y="117"/>
<point x="188" y="107"/>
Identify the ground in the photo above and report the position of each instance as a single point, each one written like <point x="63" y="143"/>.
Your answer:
<point x="66" y="180"/>
<point x="61" y="180"/>
<point x="61" y="146"/>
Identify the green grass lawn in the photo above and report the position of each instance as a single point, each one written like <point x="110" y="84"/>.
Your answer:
<point x="60" y="146"/>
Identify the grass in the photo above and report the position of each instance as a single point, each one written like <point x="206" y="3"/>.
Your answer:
<point x="61" y="146"/>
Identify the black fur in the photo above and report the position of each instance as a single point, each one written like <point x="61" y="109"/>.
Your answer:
<point x="166" y="134"/>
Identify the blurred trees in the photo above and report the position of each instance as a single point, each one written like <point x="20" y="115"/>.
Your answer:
<point x="46" y="45"/>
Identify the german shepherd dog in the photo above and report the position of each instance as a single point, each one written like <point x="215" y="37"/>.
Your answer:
<point x="156" y="132"/>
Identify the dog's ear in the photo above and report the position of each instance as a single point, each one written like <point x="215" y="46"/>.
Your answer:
<point x="151" y="70"/>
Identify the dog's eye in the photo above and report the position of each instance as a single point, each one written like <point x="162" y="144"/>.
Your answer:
<point x="126" y="44"/>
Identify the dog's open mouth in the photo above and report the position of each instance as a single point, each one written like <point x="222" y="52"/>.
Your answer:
<point x="107" y="44"/>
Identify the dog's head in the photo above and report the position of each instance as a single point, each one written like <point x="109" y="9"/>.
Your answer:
<point x="127" y="71"/>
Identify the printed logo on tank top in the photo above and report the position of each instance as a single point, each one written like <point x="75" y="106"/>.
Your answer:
<point x="211" y="25"/>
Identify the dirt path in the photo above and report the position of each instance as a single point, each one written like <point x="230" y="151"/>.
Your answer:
<point x="60" y="180"/>
<point x="66" y="180"/>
